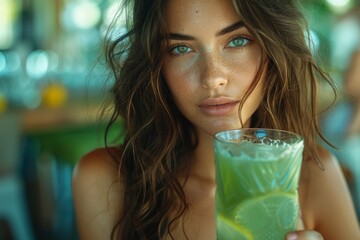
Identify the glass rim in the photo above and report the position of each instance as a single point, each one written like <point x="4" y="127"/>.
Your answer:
<point x="297" y="137"/>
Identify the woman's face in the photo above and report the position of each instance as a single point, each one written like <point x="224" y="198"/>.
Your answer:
<point x="211" y="61"/>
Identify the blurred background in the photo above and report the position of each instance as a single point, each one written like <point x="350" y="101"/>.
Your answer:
<point x="53" y="82"/>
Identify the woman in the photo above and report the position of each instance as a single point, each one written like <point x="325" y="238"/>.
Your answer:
<point x="193" y="68"/>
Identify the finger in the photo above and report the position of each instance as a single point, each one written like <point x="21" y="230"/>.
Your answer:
<point x="304" y="235"/>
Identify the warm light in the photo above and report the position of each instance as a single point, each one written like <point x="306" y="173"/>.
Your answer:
<point x="114" y="15"/>
<point x="86" y="14"/>
<point x="338" y="3"/>
<point x="111" y="12"/>
<point x="54" y="95"/>
<point x="81" y="15"/>
<point x="7" y="18"/>
<point x="37" y="64"/>
<point x="339" y="6"/>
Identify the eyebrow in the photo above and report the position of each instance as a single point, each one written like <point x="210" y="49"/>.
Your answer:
<point x="229" y="29"/>
<point x="179" y="36"/>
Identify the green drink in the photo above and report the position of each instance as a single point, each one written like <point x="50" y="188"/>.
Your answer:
<point x="257" y="175"/>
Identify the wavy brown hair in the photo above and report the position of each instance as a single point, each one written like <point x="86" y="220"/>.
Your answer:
<point x="290" y="94"/>
<point x="158" y="138"/>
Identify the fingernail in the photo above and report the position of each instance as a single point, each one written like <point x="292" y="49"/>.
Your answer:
<point x="292" y="236"/>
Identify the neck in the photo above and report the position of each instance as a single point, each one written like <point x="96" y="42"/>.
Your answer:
<point x="202" y="160"/>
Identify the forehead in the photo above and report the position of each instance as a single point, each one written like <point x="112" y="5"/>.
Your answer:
<point x="182" y="14"/>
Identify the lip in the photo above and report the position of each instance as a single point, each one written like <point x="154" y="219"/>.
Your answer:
<point x="217" y="107"/>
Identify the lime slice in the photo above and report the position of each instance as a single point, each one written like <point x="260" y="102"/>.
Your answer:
<point x="270" y="216"/>
<point x="229" y="230"/>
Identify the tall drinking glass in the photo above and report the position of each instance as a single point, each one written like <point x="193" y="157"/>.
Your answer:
<point x="257" y="177"/>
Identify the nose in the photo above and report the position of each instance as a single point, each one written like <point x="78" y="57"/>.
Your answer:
<point x="213" y="72"/>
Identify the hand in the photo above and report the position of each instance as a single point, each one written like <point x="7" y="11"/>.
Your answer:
<point x="304" y="235"/>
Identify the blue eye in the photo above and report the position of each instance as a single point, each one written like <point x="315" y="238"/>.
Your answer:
<point x="238" y="42"/>
<point x="180" y="49"/>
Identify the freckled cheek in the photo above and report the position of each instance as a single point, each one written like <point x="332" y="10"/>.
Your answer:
<point x="180" y="77"/>
<point x="242" y="75"/>
<point x="244" y="66"/>
<point x="182" y="90"/>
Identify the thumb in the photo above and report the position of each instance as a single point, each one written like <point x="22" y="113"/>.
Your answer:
<point x="304" y="235"/>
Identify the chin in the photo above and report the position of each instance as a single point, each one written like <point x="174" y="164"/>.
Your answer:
<point x="221" y="126"/>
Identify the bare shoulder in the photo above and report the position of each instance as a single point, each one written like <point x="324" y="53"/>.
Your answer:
<point x="97" y="162"/>
<point x="326" y="203"/>
<point x="97" y="193"/>
<point x="97" y="170"/>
